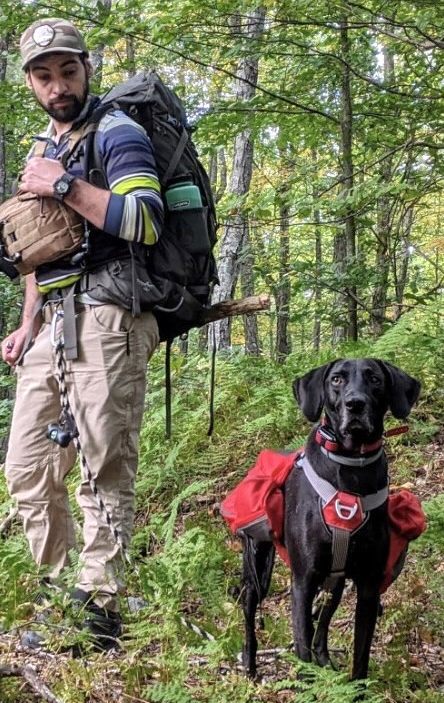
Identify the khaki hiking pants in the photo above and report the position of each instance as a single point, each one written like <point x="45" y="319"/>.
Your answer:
<point x="106" y="390"/>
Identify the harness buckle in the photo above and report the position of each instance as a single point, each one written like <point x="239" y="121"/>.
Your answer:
<point x="345" y="512"/>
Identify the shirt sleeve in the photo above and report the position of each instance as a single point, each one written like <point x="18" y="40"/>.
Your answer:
<point x="135" y="209"/>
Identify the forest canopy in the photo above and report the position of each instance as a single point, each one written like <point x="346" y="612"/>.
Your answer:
<point x="320" y="125"/>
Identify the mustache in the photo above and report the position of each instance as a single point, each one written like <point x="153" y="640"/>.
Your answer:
<point x="62" y="99"/>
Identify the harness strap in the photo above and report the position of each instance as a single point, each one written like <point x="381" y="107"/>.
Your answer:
<point x="341" y="541"/>
<point x="39" y="147"/>
<point x="327" y="491"/>
<point x="212" y="379"/>
<point x="69" y="325"/>
<point x="168" y="389"/>
<point x="65" y="297"/>
<point x="75" y="139"/>
<point x="340" y="537"/>
<point x="135" y="298"/>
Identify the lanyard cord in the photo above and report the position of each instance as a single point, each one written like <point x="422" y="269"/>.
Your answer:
<point x="70" y="421"/>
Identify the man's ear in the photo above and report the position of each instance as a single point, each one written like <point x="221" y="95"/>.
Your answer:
<point x="28" y="79"/>
<point x="309" y="391"/>
<point x="89" y="68"/>
<point x="403" y="390"/>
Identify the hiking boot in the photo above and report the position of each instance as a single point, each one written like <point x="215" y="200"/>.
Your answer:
<point x="103" y="625"/>
<point x="87" y="627"/>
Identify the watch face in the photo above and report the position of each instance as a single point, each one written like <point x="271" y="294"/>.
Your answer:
<point x="62" y="187"/>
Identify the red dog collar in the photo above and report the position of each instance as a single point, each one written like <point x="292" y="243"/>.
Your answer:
<point x="326" y="438"/>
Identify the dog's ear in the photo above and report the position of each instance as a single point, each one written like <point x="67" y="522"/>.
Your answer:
<point x="309" y="391"/>
<point x="403" y="390"/>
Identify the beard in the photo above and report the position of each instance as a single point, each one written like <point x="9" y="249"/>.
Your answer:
<point x="72" y="109"/>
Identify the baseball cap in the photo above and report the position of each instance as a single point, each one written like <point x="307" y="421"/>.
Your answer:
<point x="48" y="35"/>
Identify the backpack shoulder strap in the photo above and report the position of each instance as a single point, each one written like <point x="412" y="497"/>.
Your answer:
<point x="39" y="147"/>
<point x="180" y="148"/>
<point x="94" y="172"/>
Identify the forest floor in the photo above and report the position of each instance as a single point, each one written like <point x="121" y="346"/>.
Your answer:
<point x="104" y="675"/>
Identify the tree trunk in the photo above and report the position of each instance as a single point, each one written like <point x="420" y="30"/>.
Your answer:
<point x="236" y="230"/>
<point x="3" y="65"/>
<point x="318" y="265"/>
<point x="130" y="57"/>
<point x="317" y="288"/>
<point x="346" y="325"/>
<point x="339" y="331"/>
<point x="222" y="174"/>
<point x="130" y="50"/>
<point x="400" y="271"/>
<point x="96" y="55"/>
<point x="251" y="333"/>
<point x="347" y="174"/>
<point x="283" y="292"/>
<point x="383" y="227"/>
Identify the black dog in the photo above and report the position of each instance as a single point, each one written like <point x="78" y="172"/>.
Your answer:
<point x="345" y="451"/>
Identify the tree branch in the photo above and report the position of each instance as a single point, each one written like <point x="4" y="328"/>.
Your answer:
<point x="229" y="308"/>
<point x="28" y="673"/>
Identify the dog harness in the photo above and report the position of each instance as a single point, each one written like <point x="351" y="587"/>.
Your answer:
<point x="255" y="509"/>
<point x="343" y="513"/>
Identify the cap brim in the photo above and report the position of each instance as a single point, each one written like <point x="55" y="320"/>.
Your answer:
<point x="53" y="51"/>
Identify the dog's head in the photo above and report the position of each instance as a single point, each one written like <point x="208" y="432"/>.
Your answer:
<point x="356" y="394"/>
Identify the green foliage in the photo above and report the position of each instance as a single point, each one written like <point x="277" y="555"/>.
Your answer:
<point x="415" y="344"/>
<point x="315" y="685"/>
<point x="434" y="535"/>
<point x="172" y="692"/>
<point x="16" y="567"/>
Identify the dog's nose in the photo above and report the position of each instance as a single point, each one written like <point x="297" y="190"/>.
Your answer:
<point x="355" y="403"/>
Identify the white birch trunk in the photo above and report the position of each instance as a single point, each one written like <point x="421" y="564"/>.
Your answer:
<point x="236" y="229"/>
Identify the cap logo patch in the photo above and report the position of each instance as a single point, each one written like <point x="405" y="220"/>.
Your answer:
<point x="43" y="35"/>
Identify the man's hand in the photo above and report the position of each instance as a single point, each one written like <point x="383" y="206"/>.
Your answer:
<point x="12" y="346"/>
<point x="40" y="175"/>
<point x="90" y="202"/>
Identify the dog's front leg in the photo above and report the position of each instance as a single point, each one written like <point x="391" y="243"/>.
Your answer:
<point x="326" y="612"/>
<point x="303" y="591"/>
<point x="367" y="606"/>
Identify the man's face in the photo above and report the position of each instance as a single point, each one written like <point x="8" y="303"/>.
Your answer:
<point x="60" y="83"/>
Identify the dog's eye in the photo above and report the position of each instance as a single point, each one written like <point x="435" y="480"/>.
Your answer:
<point x="374" y="379"/>
<point x="336" y="380"/>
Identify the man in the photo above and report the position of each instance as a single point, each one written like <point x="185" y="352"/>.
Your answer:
<point x="106" y="379"/>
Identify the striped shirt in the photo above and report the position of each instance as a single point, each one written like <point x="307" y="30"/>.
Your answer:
<point x="135" y="209"/>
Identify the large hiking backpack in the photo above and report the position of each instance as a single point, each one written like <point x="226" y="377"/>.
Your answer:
<point x="181" y="264"/>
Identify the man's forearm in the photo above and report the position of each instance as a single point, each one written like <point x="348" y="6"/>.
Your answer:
<point x="89" y="201"/>
<point x="32" y="295"/>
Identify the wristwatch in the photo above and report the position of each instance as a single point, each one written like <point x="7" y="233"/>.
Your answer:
<point x="62" y="186"/>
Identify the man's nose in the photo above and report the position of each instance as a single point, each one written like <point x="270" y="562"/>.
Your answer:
<point x="59" y="87"/>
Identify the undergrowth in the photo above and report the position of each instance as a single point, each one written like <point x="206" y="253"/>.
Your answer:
<point x="185" y="564"/>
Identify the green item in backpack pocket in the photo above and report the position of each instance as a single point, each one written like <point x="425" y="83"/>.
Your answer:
<point x="183" y="195"/>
